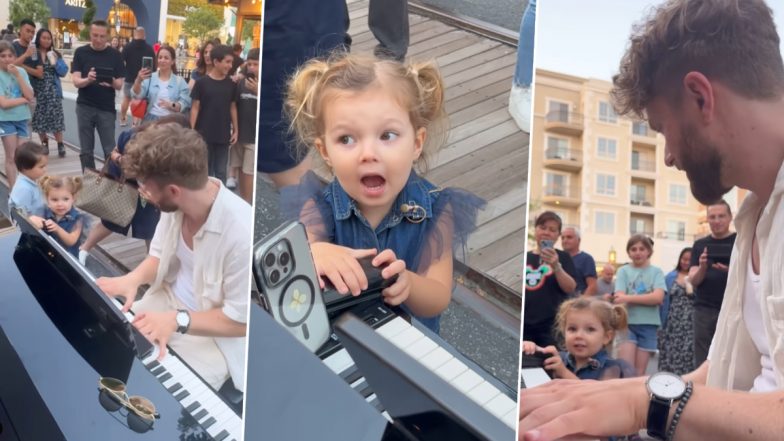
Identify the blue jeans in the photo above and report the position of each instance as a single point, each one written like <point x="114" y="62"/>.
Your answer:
<point x="524" y="69"/>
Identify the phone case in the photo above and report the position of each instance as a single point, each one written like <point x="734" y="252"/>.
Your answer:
<point x="285" y="274"/>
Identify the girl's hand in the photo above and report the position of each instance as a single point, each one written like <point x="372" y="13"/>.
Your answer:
<point x="529" y="347"/>
<point x="339" y="264"/>
<point x="50" y="225"/>
<point x="620" y="298"/>
<point x="554" y="362"/>
<point x="38" y="222"/>
<point x="401" y="289"/>
<point x="549" y="256"/>
<point x="13" y="70"/>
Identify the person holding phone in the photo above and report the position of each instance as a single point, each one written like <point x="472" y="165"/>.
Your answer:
<point x="166" y="92"/>
<point x="549" y="280"/>
<point x="133" y="56"/>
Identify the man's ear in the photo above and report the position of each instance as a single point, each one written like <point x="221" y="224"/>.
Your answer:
<point x="322" y="149"/>
<point x="699" y="91"/>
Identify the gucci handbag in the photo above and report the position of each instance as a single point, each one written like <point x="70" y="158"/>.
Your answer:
<point x="110" y="199"/>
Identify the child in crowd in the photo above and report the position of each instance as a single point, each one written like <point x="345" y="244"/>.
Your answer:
<point x="243" y="153"/>
<point x="372" y="121"/>
<point x="61" y="220"/>
<point x="640" y="286"/>
<point x="214" y="111"/>
<point x="31" y="160"/>
<point x="588" y="326"/>
<point x="15" y="97"/>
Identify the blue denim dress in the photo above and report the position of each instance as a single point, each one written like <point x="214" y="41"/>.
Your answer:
<point x="415" y="234"/>
<point x="600" y="367"/>
<point x="67" y="223"/>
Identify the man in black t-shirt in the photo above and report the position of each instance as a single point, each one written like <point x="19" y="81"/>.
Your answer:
<point x="97" y="71"/>
<point x="25" y="49"/>
<point x="132" y="55"/>
<point x="214" y="111"/>
<point x="243" y="153"/>
<point x="710" y="259"/>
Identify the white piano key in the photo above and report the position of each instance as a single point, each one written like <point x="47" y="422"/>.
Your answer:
<point x="483" y="393"/>
<point x="339" y="361"/>
<point x="512" y="417"/>
<point x="386" y="415"/>
<point x="394" y="327"/>
<point x="436" y="358"/>
<point x="421" y="347"/>
<point x="451" y="369"/>
<point x="500" y="405"/>
<point x="533" y="377"/>
<point x="467" y="381"/>
<point x="406" y="338"/>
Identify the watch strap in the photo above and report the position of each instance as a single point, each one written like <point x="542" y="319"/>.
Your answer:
<point x="658" y="412"/>
<point x="183" y="329"/>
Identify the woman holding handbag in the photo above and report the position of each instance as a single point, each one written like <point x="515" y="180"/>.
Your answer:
<point x="48" y="115"/>
<point x="164" y="91"/>
<point x="146" y="217"/>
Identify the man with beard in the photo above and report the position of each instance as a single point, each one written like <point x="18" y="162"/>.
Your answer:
<point x="709" y="76"/>
<point x="710" y="258"/>
<point x="198" y="267"/>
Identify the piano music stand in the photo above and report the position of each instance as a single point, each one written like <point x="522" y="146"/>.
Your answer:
<point x="420" y="402"/>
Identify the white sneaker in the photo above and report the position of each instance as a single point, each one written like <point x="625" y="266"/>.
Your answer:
<point x="83" y="257"/>
<point x="520" y="107"/>
<point x="231" y="183"/>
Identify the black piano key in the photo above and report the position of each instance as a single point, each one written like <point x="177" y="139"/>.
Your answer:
<point x="195" y="405"/>
<point x="364" y="389"/>
<point x="174" y="388"/>
<point x="377" y="404"/>
<point x="351" y="374"/>
<point x="221" y="436"/>
<point x="200" y="414"/>
<point x="181" y="396"/>
<point x="153" y="364"/>
<point x="158" y="370"/>
<point x="210" y="421"/>
<point x="167" y="376"/>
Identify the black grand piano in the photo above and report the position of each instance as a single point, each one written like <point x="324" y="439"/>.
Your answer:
<point x="381" y="376"/>
<point x="59" y="336"/>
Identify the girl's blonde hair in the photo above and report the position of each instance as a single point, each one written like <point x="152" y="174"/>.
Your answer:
<point x="419" y="86"/>
<point x="612" y="317"/>
<point x="6" y="46"/>
<point x="72" y="183"/>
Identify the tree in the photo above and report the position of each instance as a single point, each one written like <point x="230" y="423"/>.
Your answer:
<point x="87" y="19"/>
<point x="185" y="7"/>
<point x="202" y="23"/>
<point x="37" y="10"/>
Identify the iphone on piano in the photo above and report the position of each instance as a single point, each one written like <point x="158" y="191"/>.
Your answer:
<point x="286" y="276"/>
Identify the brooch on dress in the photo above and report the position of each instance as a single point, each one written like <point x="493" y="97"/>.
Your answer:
<point x="413" y="212"/>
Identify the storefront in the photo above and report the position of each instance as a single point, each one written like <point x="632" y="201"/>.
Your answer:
<point x="122" y="16"/>
<point x="247" y="26"/>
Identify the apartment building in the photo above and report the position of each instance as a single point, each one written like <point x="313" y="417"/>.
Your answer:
<point x="605" y="174"/>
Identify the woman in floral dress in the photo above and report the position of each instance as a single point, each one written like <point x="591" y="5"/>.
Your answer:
<point x="676" y="344"/>
<point x="48" y="115"/>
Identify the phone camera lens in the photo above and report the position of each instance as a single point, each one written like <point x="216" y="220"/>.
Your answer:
<point x="269" y="259"/>
<point x="284" y="258"/>
<point x="274" y="276"/>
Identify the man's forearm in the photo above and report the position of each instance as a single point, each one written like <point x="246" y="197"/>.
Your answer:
<point x="590" y="290"/>
<point x="146" y="272"/>
<point x="214" y="323"/>
<point x="699" y="375"/>
<point x="697" y="275"/>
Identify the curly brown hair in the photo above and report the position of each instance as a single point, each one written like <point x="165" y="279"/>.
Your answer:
<point x="612" y="317"/>
<point x="72" y="183"/>
<point x="167" y="154"/>
<point x="731" y="41"/>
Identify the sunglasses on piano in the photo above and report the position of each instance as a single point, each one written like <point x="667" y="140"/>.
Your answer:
<point x="140" y="412"/>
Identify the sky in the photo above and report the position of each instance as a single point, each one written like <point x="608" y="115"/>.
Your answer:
<point x="587" y="38"/>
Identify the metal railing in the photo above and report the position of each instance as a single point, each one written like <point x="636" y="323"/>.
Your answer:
<point x="645" y="165"/>
<point x="564" y="116"/>
<point x="563" y="153"/>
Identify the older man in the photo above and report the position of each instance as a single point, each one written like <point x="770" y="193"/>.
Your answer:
<point x="583" y="262"/>
<point x="709" y="76"/>
<point x="605" y="285"/>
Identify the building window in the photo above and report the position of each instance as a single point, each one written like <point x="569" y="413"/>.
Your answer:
<point x="637" y="226"/>
<point x="607" y="113"/>
<point x="637" y="195"/>
<point x="640" y="128"/>
<point x="556" y="185"/>
<point x="606" y="148"/>
<point x="676" y="230"/>
<point x="678" y="194"/>
<point x="605" y="222"/>
<point x="557" y="148"/>
<point x="605" y="185"/>
<point x="558" y="111"/>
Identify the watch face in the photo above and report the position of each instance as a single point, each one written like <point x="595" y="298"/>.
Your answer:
<point x="182" y="319"/>
<point x="666" y="385"/>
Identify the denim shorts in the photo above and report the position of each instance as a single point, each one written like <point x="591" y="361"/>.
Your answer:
<point x="644" y="336"/>
<point x="18" y="128"/>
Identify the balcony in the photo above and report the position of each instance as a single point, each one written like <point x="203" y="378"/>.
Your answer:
<point x="680" y="236"/>
<point x="642" y="205"/>
<point x="641" y="231"/>
<point x="564" y="122"/>
<point x="558" y="158"/>
<point x="561" y="195"/>
<point x="643" y="136"/>
<point x="643" y="168"/>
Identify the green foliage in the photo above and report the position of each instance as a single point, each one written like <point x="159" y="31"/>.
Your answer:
<point x="87" y="18"/>
<point x="37" y="10"/>
<point x="185" y="7"/>
<point x="203" y="23"/>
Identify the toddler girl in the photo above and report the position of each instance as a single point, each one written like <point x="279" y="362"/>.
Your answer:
<point x="15" y="95"/>
<point x="640" y="286"/>
<point x="587" y="325"/>
<point x="61" y="220"/>
<point x="372" y="122"/>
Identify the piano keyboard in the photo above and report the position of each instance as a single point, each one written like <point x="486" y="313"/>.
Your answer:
<point x="196" y="397"/>
<point x="419" y="346"/>
<point x="532" y="377"/>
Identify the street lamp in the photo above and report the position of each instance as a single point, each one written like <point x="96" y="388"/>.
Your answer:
<point x="613" y="255"/>
<point x="117" y="17"/>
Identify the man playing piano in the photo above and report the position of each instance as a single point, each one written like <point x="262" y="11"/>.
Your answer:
<point x="198" y="267"/>
<point x="708" y="75"/>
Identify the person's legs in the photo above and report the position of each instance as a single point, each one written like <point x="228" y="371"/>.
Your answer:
<point x="9" y="145"/>
<point x="106" y="131"/>
<point x="704" y="327"/>
<point x="218" y="160"/>
<point x="126" y="102"/>
<point x="291" y="176"/>
<point x="85" y="122"/>
<point x="628" y="352"/>
<point x="388" y="21"/>
<point x="247" y="172"/>
<point x="641" y="359"/>
<point x="97" y="233"/>
<point x="520" y="95"/>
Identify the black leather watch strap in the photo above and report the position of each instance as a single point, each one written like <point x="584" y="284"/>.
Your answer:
<point x="658" y="412"/>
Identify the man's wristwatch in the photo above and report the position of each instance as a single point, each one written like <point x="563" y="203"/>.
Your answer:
<point x="664" y="389"/>
<point x="183" y="320"/>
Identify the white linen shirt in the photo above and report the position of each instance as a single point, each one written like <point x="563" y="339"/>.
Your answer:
<point x="221" y="266"/>
<point x="734" y="359"/>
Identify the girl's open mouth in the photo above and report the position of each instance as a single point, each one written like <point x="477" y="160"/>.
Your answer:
<point x="373" y="185"/>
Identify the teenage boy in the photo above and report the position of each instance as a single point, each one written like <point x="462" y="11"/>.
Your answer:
<point x="214" y="111"/>
<point x="243" y="153"/>
<point x="31" y="162"/>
